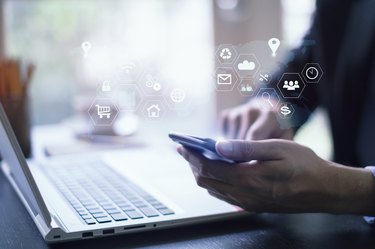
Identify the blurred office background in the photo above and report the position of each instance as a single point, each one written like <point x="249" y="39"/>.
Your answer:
<point x="177" y="38"/>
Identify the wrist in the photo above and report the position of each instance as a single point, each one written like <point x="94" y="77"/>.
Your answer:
<point x="354" y="189"/>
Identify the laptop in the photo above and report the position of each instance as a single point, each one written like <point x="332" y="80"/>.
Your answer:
<point x="117" y="192"/>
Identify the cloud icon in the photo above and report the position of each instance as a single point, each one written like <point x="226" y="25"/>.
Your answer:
<point x="246" y="65"/>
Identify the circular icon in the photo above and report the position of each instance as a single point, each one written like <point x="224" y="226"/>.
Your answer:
<point x="149" y="80"/>
<point x="225" y="54"/>
<point x="312" y="73"/>
<point x="177" y="95"/>
<point x="156" y="86"/>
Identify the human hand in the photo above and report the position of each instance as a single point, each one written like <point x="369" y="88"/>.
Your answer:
<point x="282" y="176"/>
<point x="252" y="122"/>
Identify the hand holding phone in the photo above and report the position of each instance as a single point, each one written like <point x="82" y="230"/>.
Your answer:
<point x="204" y="146"/>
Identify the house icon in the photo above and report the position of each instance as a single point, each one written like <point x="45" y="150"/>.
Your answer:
<point x="153" y="111"/>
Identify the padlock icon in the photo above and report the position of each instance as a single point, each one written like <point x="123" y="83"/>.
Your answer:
<point x="106" y="87"/>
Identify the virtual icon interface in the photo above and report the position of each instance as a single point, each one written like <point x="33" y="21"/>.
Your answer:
<point x="264" y="77"/>
<point x="153" y="111"/>
<point x="286" y="110"/>
<point x="86" y="47"/>
<point x="274" y="45"/>
<point x="103" y="111"/>
<point x="291" y="85"/>
<point x="267" y="97"/>
<point x="247" y="66"/>
<point x="152" y="82"/>
<point x="224" y="79"/>
<point x="226" y="54"/>
<point x="106" y="87"/>
<point x="177" y="95"/>
<point x="312" y="72"/>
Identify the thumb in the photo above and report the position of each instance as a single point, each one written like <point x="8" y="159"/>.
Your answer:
<point x="241" y="150"/>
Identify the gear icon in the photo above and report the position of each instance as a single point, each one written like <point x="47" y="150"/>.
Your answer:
<point x="156" y="86"/>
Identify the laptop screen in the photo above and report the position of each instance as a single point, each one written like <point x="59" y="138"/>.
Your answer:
<point x="14" y="159"/>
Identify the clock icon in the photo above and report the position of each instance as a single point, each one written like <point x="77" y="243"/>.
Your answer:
<point x="312" y="73"/>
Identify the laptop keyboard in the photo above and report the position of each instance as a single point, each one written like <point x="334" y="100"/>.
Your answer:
<point x="100" y="195"/>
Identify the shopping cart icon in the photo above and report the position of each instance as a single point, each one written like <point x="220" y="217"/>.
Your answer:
<point x="103" y="111"/>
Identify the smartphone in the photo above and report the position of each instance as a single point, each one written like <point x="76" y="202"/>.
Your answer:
<point x="204" y="146"/>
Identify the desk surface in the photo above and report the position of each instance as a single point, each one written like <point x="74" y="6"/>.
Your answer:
<point x="17" y="230"/>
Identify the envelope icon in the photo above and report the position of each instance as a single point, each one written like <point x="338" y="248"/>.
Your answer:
<point x="224" y="79"/>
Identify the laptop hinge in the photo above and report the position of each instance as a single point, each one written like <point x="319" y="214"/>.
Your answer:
<point x="42" y="224"/>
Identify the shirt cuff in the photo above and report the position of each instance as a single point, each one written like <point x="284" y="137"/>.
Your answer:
<point x="368" y="219"/>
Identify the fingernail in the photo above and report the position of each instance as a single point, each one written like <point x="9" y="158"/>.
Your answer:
<point x="225" y="147"/>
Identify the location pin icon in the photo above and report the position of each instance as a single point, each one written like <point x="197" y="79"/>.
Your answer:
<point x="274" y="44"/>
<point x="86" y="46"/>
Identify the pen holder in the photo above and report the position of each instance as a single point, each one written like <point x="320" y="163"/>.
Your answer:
<point x="16" y="108"/>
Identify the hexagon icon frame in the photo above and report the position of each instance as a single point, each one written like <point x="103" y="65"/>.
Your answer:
<point x="246" y="65"/>
<point x="137" y="95"/>
<point x="244" y="84"/>
<point x="221" y="49"/>
<point x="221" y="74"/>
<point x="105" y="116"/>
<point x="313" y="66"/>
<point x="264" y="101"/>
<point x="282" y="82"/>
<point x="289" y="105"/>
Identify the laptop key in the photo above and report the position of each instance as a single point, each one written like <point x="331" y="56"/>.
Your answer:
<point x="113" y="211"/>
<point x="82" y="212"/>
<point x="80" y="209"/>
<point x="125" y="205"/>
<point x="109" y="208"/>
<point x="94" y="209"/>
<point x="134" y="214"/>
<point x="165" y="211"/>
<point x="128" y="209"/>
<point x="149" y="212"/>
<point x="110" y="205"/>
<point x="159" y="206"/>
<point x="90" y="221"/>
<point x="86" y="216"/>
<point x="119" y="216"/>
<point x="99" y="215"/>
<point x="103" y="219"/>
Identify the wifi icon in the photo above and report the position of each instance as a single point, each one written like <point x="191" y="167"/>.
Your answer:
<point x="128" y="67"/>
<point x="128" y="71"/>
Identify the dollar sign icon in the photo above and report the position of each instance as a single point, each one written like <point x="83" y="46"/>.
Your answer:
<point x="285" y="110"/>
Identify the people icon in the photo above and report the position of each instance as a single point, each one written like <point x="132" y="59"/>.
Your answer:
<point x="291" y="85"/>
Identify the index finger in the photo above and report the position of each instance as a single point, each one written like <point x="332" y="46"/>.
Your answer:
<point x="218" y="170"/>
